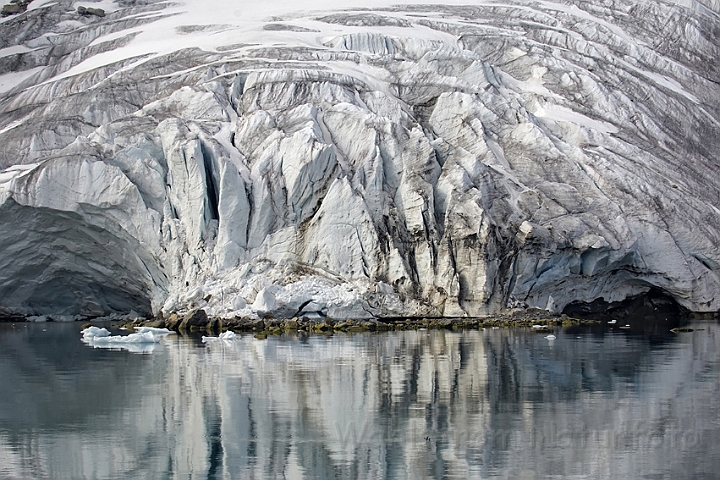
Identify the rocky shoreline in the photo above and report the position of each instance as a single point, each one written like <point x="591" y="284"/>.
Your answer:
<point x="198" y="321"/>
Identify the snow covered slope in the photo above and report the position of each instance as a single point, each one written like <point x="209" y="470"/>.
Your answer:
<point x="355" y="159"/>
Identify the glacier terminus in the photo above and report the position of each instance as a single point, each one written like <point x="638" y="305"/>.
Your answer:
<point x="358" y="159"/>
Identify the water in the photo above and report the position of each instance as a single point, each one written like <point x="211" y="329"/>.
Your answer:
<point x="502" y="403"/>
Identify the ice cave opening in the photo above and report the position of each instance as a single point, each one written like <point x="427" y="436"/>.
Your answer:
<point x="55" y="263"/>
<point x="653" y="305"/>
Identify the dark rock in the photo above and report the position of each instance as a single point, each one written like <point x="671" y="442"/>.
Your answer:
<point x="173" y="322"/>
<point x="98" y="12"/>
<point x="85" y="11"/>
<point x="155" y="323"/>
<point x="281" y="27"/>
<point x="10" y="9"/>
<point x="654" y="305"/>
<point x="272" y="323"/>
<point x="243" y="323"/>
<point x="194" y="320"/>
<point x="214" y="324"/>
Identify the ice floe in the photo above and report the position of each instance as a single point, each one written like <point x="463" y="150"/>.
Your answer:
<point x="144" y="340"/>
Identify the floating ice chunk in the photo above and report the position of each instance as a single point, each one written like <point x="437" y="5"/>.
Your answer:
<point x="145" y="337"/>
<point x="142" y="341"/>
<point x="145" y="334"/>
<point x="227" y="335"/>
<point x="551" y="337"/>
<point x="93" y="332"/>
<point x="223" y="336"/>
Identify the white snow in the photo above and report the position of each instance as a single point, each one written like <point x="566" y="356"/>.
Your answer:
<point x="8" y="81"/>
<point x="36" y="4"/>
<point x="664" y="81"/>
<point x="13" y="49"/>
<point x="15" y="171"/>
<point x="578" y="12"/>
<point x="563" y="114"/>
<point x="11" y="125"/>
<point x="244" y="25"/>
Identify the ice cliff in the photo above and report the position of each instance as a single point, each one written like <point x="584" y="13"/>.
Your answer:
<point x="363" y="160"/>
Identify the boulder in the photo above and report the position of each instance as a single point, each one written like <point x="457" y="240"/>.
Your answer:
<point x="195" y="319"/>
<point x="173" y="322"/>
<point x="10" y="9"/>
<point x="86" y="11"/>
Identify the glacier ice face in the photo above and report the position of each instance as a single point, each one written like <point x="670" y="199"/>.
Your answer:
<point x="409" y="160"/>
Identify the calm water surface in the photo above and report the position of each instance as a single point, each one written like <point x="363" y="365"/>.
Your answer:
<point x="421" y="404"/>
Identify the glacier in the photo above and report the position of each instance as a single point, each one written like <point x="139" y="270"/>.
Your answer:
<point x="358" y="159"/>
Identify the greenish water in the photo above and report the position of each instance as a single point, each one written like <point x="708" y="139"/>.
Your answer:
<point x="507" y="403"/>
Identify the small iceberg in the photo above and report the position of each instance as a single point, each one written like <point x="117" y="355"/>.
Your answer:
<point x="143" y="340"/>
<point x="95" y="332"/>
<point x="551" y="337"/>
<point x="229" y="335"/>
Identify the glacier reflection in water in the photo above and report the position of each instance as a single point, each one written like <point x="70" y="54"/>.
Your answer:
<point x="418" y="404"/>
